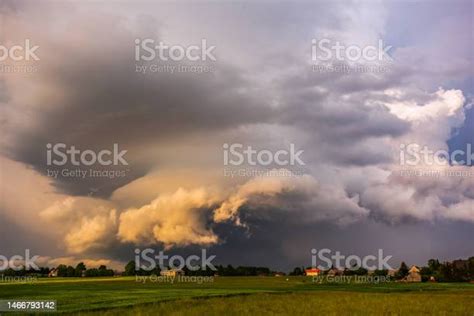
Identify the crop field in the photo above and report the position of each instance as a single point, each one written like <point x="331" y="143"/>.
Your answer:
<point x="243" y="296"/>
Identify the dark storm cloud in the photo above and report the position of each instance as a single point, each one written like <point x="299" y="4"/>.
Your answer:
<point x="16" y="238"/>
<point x="346" y="122"/>
<point x="337" y="109"/>
<point x="288" y="245"/>
<point x="100" y="100"/>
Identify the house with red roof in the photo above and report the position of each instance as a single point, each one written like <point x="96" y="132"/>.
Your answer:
<point x="312" y="272"/>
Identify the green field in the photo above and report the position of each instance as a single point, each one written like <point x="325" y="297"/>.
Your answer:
<point x="244" y="296"/>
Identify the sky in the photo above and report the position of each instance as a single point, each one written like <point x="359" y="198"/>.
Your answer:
<point x="263" y="88"/>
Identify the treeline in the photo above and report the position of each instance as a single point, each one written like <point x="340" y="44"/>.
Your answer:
<point x="229" y="270"/>
<point x="81" y="270"/>
<point x="130" y="269"/>
<point x="24" y="272"/>
<point x="62" y="271"/>
<point x="454" y="271"/>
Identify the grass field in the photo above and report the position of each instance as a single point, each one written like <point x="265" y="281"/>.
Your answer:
<point x="244" y="296"/>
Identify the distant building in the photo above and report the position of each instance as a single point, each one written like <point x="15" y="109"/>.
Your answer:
<point x="53" y="273"/>
<point x="171" y="272"/>
<point x="312" y="272"/>
<point x="279" y="274"/>
<point x="413" y="275"/>
<point x="392" y="272"/>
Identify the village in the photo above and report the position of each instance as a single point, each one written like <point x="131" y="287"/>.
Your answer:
<point x="456" y="271"/>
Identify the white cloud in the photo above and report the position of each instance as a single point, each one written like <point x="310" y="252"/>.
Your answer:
<point x="176" y="219"/>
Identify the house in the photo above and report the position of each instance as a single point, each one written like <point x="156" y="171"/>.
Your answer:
<point x="279" y="274"/>
<point x="312" y="272"/>
<point x="171" y="272"/>
<point x="53" y="273"/>
<point x="413" y="275"/>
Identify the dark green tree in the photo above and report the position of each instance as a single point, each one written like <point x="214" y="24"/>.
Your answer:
<point x="80" y="268"/>
<point x="130" y="268"/>
<point x="297" y="271"/>
<point x="402" y="271"/>
<point x="381" y="272"/>
<point x="62" y="270"/>
<point x="70" y="272"/>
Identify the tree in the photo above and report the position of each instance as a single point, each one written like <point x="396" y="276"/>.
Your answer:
<point x="426" y="274"/>
<point x="103" y="271"/>
<point x="80" y="268"/>
<point x="402" y="271"/>
<point x="433" y="265"/>
<point x="471" y="267"/>
<point x="130" y="268"/>
<point x="297" y="271"/>
<point x="70" y="272"/>
<point x="383" y="272"/>
<point x="230" y="270"/>
<point x="92" y="272"/>
<point x="62" y="270"/>
<point x="446" y="272"/>
<point x="9" y="272"/>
